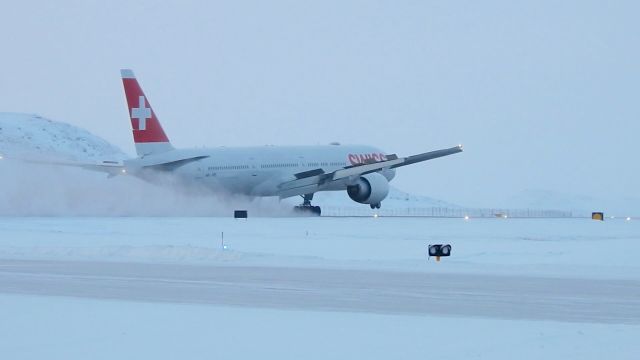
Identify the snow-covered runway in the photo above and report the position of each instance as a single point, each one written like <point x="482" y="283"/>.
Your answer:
<point x="318" y="288"/>
<point x="385" y="292"/>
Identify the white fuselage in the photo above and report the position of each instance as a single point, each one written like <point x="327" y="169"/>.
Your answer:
<point x="258" y="171"/>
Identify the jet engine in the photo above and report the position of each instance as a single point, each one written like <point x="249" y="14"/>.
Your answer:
<point x="369" y="189"/>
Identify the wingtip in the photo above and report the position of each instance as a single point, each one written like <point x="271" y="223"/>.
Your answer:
<point x="127" y="74"/>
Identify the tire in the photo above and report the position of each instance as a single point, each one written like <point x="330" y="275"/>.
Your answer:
<point x="305" y="210"/>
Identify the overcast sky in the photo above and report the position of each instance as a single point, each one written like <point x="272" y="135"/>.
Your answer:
<point x="543" y="94"/>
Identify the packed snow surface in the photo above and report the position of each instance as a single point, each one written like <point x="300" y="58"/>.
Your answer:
<point x="318" y="288"/>
<point x="75" y="328"/>
<point x="540" y="247"/>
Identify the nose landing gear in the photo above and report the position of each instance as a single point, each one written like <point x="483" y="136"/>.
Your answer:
<point x="375" y="206"/>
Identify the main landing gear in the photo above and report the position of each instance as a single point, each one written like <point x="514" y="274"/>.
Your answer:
<point x="306" y="208"/>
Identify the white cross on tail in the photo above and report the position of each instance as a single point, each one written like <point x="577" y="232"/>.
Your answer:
<point x="142" y="113"/>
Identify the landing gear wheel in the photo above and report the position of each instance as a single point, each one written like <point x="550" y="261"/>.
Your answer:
<point x="375" y="206"/>
<point x="306" y="208"/>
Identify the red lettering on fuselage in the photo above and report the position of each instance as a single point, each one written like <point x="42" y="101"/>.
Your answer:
<point x="355" y="159"/>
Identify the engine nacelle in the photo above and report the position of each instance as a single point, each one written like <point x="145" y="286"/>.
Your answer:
<point x="369" y="189"/>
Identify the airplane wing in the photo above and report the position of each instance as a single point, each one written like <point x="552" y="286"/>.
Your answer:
<point x="314" y="180"/>
<point x="112" y="168"/>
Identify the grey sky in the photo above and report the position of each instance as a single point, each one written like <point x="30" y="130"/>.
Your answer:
<point x="541" y="94"/>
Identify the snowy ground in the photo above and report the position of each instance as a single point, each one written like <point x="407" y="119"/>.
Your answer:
<point x="72" y="328"/>
<point x="318" y="288"/>
<point x="536" y="247"/>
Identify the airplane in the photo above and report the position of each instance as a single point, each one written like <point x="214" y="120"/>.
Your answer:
<point x="364" y="172"/>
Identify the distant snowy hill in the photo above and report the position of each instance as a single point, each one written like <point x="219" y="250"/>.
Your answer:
<point x="28" y="135"/>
